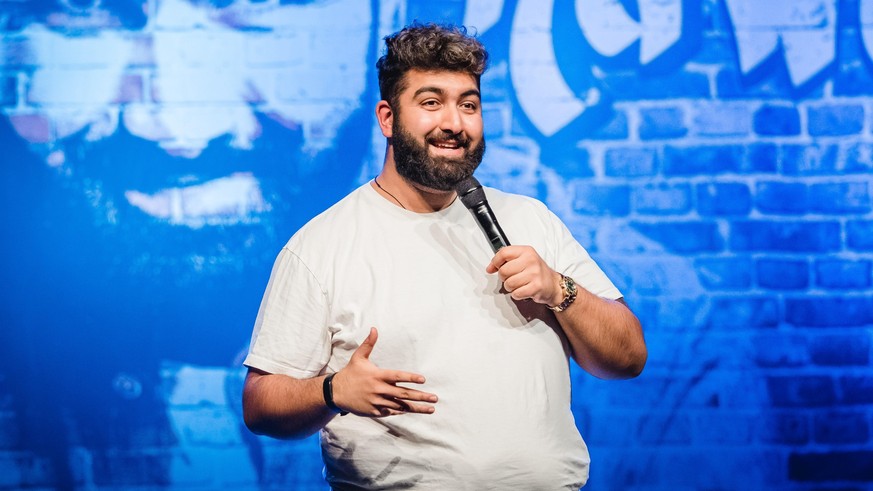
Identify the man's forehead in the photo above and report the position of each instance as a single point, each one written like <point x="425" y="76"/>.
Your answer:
<point x="440" y="81"/>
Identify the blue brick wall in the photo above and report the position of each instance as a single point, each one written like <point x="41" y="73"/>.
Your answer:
<point x="731" y="204"/>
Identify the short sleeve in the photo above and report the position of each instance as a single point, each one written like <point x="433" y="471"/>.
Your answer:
<point x="290" y="334"/>
<point x="574" y="261"/>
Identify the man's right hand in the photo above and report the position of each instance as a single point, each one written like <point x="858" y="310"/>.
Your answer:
<point x="364" y="389"/>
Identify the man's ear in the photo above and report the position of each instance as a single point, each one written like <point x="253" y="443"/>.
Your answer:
<point x="385" y="117"/>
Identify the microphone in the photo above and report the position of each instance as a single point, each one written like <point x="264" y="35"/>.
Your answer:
<point x="473" y="197"/>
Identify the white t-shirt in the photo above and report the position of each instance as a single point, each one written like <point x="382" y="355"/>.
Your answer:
<point x="499" y="367"/>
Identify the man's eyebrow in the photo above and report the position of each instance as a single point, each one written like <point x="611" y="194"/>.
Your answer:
<point x="440" y="91"/>
<point x="426" y="88"/>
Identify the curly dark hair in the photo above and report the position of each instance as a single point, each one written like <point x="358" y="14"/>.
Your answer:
<point x="428" y="47"/>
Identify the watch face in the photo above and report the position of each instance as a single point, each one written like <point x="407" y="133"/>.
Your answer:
<point x="571" y="285"/>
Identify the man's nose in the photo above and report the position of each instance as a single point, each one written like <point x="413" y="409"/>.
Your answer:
<point x="451" y="121"/>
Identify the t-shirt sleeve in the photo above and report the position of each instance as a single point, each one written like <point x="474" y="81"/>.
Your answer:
<point x="574" y="261"/>
<point x="290" y="334"/>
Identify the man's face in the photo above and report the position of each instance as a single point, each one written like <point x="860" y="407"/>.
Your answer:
<point x="436" y="133"/>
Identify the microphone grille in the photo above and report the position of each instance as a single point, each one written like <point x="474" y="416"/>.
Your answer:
<point x="470" y="192"/>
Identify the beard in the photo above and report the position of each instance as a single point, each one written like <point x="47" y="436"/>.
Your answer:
<point x="414" y="164"/>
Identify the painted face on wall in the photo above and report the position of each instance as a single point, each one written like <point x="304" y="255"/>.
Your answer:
<point x="178" y="80"/>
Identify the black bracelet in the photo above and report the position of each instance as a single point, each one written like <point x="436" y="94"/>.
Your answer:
<point x="327" y="390"/>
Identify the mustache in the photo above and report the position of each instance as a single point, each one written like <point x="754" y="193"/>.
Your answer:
<point x="458" y="138"/>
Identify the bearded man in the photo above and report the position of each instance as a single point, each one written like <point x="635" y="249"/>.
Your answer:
<point x="469" y="385"/>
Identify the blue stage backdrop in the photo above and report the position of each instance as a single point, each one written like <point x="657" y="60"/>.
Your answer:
<point x="714" y="156"/>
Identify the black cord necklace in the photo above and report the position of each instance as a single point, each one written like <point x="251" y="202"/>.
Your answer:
<point x="389" y="194"/>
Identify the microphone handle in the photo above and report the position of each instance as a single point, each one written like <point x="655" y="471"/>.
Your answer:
<point x="488" y="223"/>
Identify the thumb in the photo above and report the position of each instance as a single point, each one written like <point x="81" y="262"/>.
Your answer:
<point x="367" y="345"/>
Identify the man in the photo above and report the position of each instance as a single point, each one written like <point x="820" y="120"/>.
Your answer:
<point x="391" y="306"/>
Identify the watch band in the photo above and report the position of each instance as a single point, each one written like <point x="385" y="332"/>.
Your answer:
<point x="327" y="391"/>
<point x="568" y="286"/>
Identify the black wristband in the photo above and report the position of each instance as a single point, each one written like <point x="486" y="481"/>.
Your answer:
<point x="327" y="390"/>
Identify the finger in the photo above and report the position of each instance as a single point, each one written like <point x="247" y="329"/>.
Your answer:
<point x="523" y="292"/>
<point x="396" y="408"/>
<point x="404" y="394"/>
<point x="499" y="259"/>
<point x="394" y="377"/>
<point x="367" y="345"/>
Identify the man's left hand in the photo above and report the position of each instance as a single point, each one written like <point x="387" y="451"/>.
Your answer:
<point x="525" y="275"/>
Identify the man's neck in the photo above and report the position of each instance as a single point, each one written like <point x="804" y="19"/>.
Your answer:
<point x="411" y="196"/>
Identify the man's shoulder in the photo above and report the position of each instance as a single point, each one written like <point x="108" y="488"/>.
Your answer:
<point x="519" y="202"/>
<point x="329" y="223"/>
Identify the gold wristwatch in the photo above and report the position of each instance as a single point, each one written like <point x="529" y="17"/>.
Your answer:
<point x="568" y="286"/>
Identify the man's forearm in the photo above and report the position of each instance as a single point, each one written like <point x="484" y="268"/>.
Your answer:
<point x="284" y="407"/>
<point x="606" y="337"/>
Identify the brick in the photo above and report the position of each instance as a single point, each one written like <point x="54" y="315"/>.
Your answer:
<point x="843" y="274"/>
<point x="722" y="428"/>
<point x="601" y="199"/>
<point x="721" y="120"/>
<point x="844" y="350"/>
<point x="790" y="236"/>
<point x="831" y="465"/>
<point x="856" y="389"/>
<point x="683" y="237"/>
<point x="829" y="311"/>
<point x="762" y="157"/>
<point x="780" y="350"/>
<point x="573" y="162"/>
<point x="782" y="274"/>
<point x="783" y="198"/>
<point x="662" y="123"/>
<point x="857" y="158"/>
<point x="801" y="391"/>
<point x="840" y="197"/>
<point x="732" y="84"/>
<point x="859" y="235"/>
<point x="676" y="313"/>
<point x="664" y="428"/>
<point x="772" y="120"/>
<point x="724" y="273"/>
<point x="688" y="161"/>
<point x="616" y="128"/>
<point x="661" y="199"/>
<point x="744" y="312"/>
<point x="816" y="159"/>
<point x="631" y="162"/>
<point x="726" y="198"/>
<point x="836" y="120"/>
<point x="788" y="428"/>
<point x="628" y="85"/>
<point x="734" y="468"/>
<point x="841" y="428"/>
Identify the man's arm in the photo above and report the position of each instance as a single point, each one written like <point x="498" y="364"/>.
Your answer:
<point x="605" y="336"/>
<point x="286" y="407"/>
